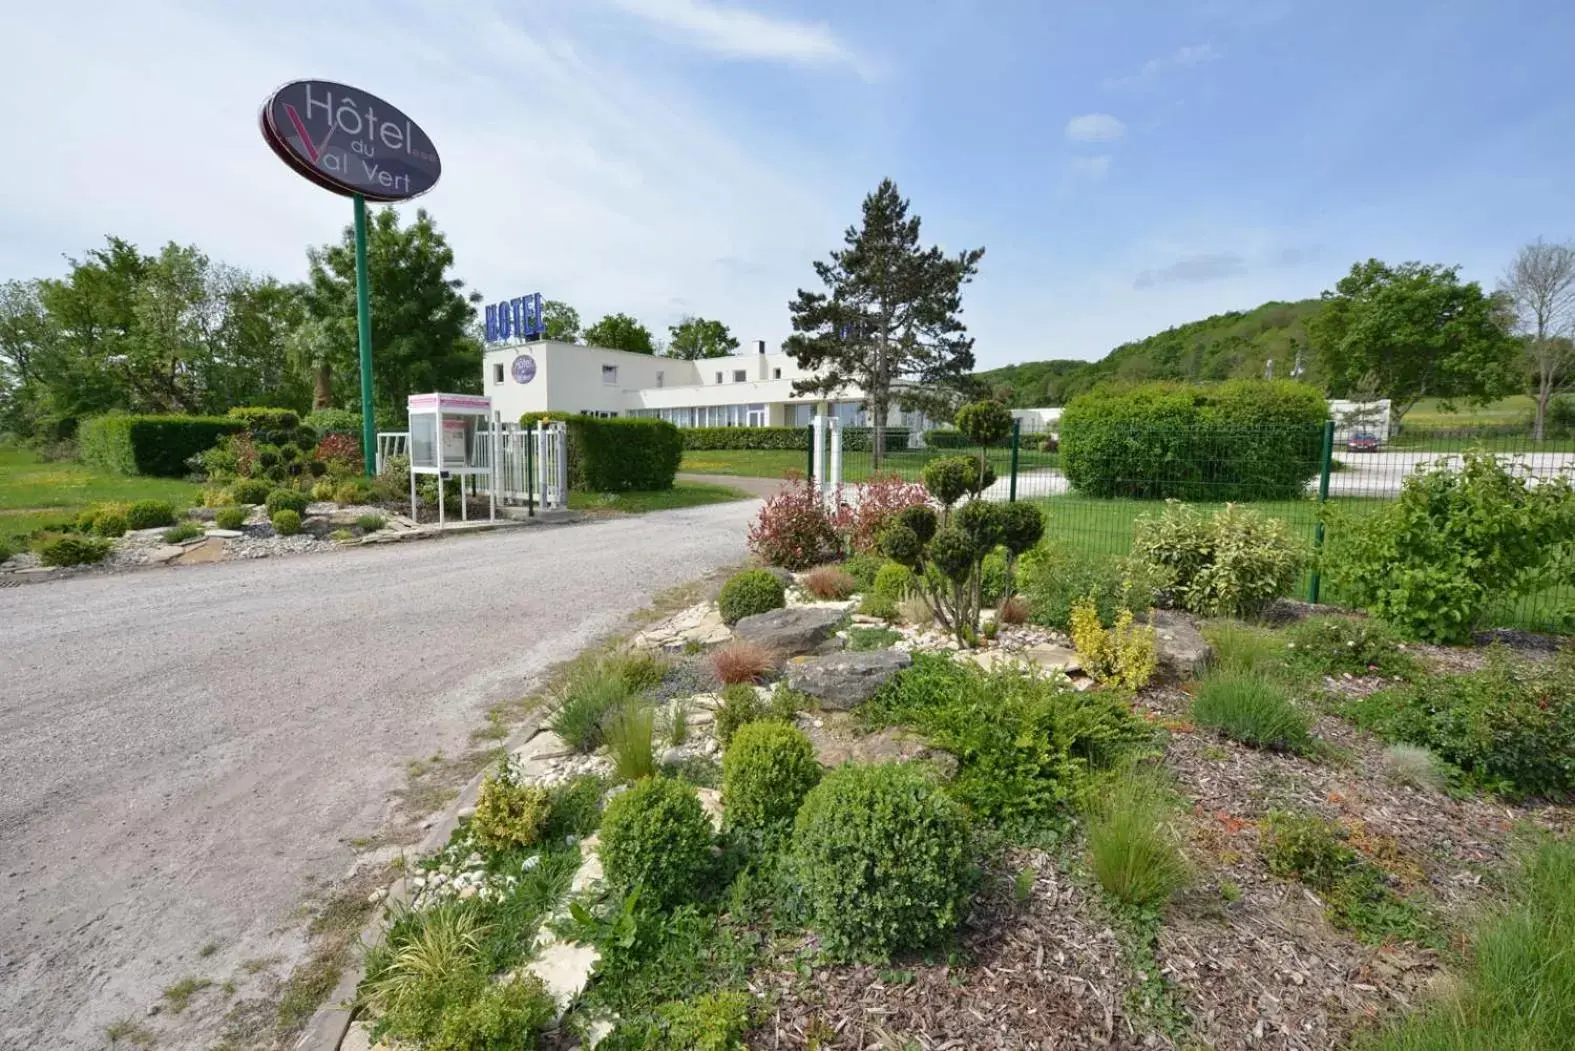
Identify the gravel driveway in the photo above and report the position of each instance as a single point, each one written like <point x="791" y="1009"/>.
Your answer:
<point x="185" y="753"/>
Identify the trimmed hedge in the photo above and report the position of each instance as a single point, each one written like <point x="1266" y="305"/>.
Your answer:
<point x="1238" y="440"/>
<point x="952" y="438"/>
<point x="620" y="454"/>
<point x="854" y="439"/>
<point x="156" y="445"/>
<point x="746" y="438"/>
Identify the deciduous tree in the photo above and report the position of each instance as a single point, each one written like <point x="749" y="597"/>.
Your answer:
<point x="889" y="315"/>
<point x="423" y="321"/>
<point x="1540" y="286"/>
<point x="562" y="321"/>
<point x="1420" y="329"/>
<point x="697" y="337"/>
<point x="620" y="332"/>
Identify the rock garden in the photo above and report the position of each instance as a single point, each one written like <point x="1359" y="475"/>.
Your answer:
<point x="273" y="487"/>
<point x="929" y="778"/>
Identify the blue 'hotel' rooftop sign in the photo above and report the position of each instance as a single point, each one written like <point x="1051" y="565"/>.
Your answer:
<point x="518" y="318"/>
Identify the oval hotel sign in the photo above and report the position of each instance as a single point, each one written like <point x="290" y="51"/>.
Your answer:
<point x="348" y="141"/>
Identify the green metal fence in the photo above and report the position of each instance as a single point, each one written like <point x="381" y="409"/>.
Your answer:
<point x="1316" y="481"/>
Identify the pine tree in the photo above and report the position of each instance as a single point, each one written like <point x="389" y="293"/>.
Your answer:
<point x="889" y="317"/>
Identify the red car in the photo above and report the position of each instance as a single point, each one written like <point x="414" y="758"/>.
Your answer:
<point x="1362" y="443"/>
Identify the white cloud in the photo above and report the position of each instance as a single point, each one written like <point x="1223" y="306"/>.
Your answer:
<point x="1092" y="168"/>
<point x="1095" y="127"/>
<point x="1181" y="58"/>
<point x="737" y="33"/>
<point x="560" y="171"/>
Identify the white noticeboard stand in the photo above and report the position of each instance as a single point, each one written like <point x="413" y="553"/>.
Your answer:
<point x="444" y="442"/>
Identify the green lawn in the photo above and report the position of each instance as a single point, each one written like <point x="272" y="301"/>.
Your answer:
<point x="856" y="466"/>
<point x="682" y="494"/>
<point x="36" y="494"/>
<point x="1429" y="413"/>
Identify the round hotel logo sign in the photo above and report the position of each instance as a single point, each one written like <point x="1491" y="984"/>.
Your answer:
<point x="524" y="368"/>
<point x="348" y="141"/>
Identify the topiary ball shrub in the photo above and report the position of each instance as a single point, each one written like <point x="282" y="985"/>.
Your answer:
<point x="250" y="491"/>
<point x="149" y="514"/>
<point x="109" y="524"/>
<point x="883" y="857"/>
<point x="748" y="593"/>
<point x="230" y="517"/>
<point x="508" y="813"/>
<point x="984" y="422"/>
<point x="767" y="770"/>
<point x="287" y="500"/>
<point x="286" y="522"/>
<point x="73" y="551"/>
<point x="656" y="836"/>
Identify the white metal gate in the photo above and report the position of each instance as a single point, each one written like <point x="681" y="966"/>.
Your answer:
<point x="532" y="463"/>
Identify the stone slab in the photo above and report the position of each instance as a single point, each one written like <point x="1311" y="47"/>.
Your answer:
<point x="208" y="551"/>
<point x="565" y="969"/>
<point x="224" y="534"/>
<point x="841" y="681"/>
<point x="790" y="631"/>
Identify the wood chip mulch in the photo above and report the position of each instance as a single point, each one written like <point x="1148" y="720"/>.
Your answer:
<point x="1268" y="970"/>
<point x="1252" y="961"/>
<point x="1048" y="973"/>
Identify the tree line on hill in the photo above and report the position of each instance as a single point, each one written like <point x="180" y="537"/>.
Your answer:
<point x="1403" y="332"/>
<point x="175" y="331"/>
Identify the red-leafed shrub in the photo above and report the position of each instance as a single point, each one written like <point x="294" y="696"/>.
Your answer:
<point x="874" y="505"/>
<point x="742" y="662"/>
<point x="340" y="449"/>
<point x="793" y="530"/>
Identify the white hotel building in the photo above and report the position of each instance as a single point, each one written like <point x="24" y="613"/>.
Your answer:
<point x="743" y="390"/>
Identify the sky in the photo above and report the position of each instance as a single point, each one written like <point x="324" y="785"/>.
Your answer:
<point x="1126" y="166"/>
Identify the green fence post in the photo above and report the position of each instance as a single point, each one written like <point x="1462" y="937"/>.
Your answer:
<point x="1323" y="498"/>
<point x="363" y="329"/>
<point x="1017" y="434"/>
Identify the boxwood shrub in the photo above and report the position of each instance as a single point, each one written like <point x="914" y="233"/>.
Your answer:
<point x="655" y="836"/>
<point x="748" y="593"/>
<point x="250" y="491"/>
<point x="286" y="522"/>
<point x="149" y="514"/>
<point x="883" y="858"/>
<point x="155" y="445"/>
<point x="1238" y="440"/>
<point x="109" y="523"/>
<point x="230" y="517"/>
<point x="767" y="770"/>
<point x="287" y="500"/>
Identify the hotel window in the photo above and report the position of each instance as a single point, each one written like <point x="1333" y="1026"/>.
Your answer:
<point x="719" y="377"/>
<point x="658" y="379"/>
<point x="776" y="374"/>
<point x="738" y="375"/>
<point x="610" y="375"/>
<point x="497" y="372"/>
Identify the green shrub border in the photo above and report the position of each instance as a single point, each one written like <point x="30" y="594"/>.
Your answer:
<point x="151" y="445"/>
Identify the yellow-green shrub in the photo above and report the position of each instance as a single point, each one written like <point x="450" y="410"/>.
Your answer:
<point x="1122" y="655"/>
<point x="508" y="812"/>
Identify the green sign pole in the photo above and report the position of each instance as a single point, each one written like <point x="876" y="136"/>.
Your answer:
<point x="1325" y="464"/>
<point x="363" y="327"/>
